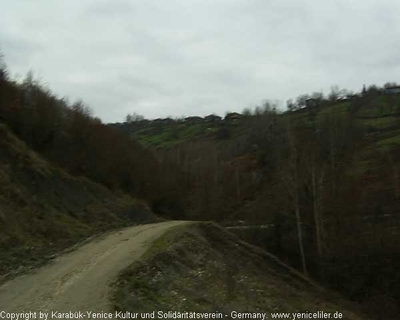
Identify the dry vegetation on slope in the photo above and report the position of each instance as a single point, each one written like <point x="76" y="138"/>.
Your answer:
<point x="43" y="209"/>
<point x="204" y="268"/>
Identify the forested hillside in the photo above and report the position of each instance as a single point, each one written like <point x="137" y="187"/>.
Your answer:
<point x="65" y="176"/>
<point x="71" y="138"/>
<point x="323" y="176"/>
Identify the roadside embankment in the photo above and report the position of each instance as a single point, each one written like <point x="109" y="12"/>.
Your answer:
<point x="204" y="268"/>
<point x="44" y="210"/>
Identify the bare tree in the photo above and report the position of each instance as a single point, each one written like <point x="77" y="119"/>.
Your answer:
<point x="316" y="182"/>
<point x="292" y="181"/>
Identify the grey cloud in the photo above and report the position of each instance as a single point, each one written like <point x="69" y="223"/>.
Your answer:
<point x="16" y="48"/>
<point x="107" y="9"/>
<point x="187" y="57"/>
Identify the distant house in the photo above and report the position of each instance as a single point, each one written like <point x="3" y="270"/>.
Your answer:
<point x="165" y="121"/>
<point x="143" y="122"/>
<point x="233" y="116"/>
<point x="312" y="103"/>
<point x="342" y="99"/>
<point x="392" y="90"/>
<point x="193" y="120"/>
<point x="157" y="121"/>
<point x="354" y="96"/>
<point x="168" y="121"/>
<point x="212" y="118"/>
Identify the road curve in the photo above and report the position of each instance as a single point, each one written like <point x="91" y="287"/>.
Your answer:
<point x="79" y="280"/>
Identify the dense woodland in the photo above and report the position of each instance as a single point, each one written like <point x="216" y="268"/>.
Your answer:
<point x="326" y="176"/>
<point x="323" y="175"/>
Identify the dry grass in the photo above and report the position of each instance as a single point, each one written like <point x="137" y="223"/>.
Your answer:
<point x="204" y="268"/>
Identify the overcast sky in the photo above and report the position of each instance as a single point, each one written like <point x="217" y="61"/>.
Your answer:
<point x="164" y="58"/>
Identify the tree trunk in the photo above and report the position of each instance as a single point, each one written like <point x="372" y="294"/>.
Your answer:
<point x="318" y="219"/>
<point x="299" y="228"/>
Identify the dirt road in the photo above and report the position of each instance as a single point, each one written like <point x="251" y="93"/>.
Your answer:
<point x="79" y="280"/>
